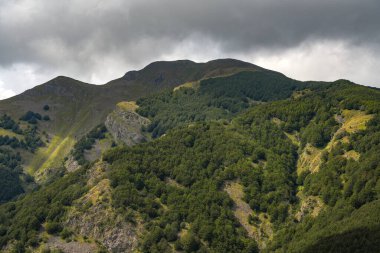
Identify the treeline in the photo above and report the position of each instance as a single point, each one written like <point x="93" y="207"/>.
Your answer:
<point x="7" y="122"/>
<point x="33" y="118"/>
<point x="31" y="140"/>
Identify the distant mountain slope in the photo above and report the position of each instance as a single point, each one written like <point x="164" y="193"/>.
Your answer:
<point x="77" y="107"/>
<point x="70" y="98"/>
<point x="173" y="73"/>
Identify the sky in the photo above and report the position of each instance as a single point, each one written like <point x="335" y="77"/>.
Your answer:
<point x="96" y="41"/>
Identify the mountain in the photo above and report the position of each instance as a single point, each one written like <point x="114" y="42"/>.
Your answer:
<point x="77" y="107"/>
<point x="222" y="156"/>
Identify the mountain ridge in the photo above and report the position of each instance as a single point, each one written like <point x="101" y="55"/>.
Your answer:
<point x="239" y="160"/>
<point x="76" y="107"/>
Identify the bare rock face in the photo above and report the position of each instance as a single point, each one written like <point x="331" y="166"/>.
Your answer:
<point x="125" y="126"/>
<point x="101" y="222"/>
<point x="94" y="216"/>
<point x="57" y="243"/>
<point x="309" y="205"/>
<point x="71" y="164"/>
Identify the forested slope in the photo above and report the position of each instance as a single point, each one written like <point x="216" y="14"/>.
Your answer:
<point x="63" y="110"/>
<point x="303" y="156"/>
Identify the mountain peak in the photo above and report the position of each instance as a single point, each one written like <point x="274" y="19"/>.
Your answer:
<point x="171" y="73"/>
<point x="63" y="80"/>
<point x="230" y="61"/>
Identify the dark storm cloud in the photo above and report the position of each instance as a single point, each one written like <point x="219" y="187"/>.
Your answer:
<point x="84" y="38"/>
<point x="246" y="24"/>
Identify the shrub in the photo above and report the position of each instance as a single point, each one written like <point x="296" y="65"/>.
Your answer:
<point x="66" y="233"/>
<point x="53" y="228"/>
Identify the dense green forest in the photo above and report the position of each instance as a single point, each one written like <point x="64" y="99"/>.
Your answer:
<point x="254" y="129"/>
<point x="48" y="205"/>
<point x="255" y="151"/>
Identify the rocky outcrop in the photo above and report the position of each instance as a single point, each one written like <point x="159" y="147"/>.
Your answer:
<point x="125" y="126"/>
<point x="56" y="244"/>
<point x="71" y="164"/>
<point x="101" y="222"/>
<point x="94" y="216"/>
<point x="310" y="205"/>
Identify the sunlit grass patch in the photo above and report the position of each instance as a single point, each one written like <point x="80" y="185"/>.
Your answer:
<point x="5" y="132"/>
<point x="355" y="120"/>
<point x="51" y="155"/>
<point x="310" y="159"/>
<point x="128" y="105"/>
<point x="193" y="85"/>
<point x="352" y="154"/>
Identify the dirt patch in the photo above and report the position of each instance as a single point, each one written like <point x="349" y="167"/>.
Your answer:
<point x="352" y="154"/>
<point x="355" y="120"/>
<point x="174" y="183"/>
<point x="242" y="209"/>
<point x="262" y="230"/>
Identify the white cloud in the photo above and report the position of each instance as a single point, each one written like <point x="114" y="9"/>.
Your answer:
<point x="19" y="77"/>
<point x="5" y="93"/>
<point x="325" y="61"/>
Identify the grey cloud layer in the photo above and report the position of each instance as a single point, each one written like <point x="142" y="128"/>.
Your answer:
<point x="76" y="36"/>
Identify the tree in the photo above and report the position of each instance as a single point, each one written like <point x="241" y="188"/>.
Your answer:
<point x="189" y="242"/>
<point x="53" y="228"/>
